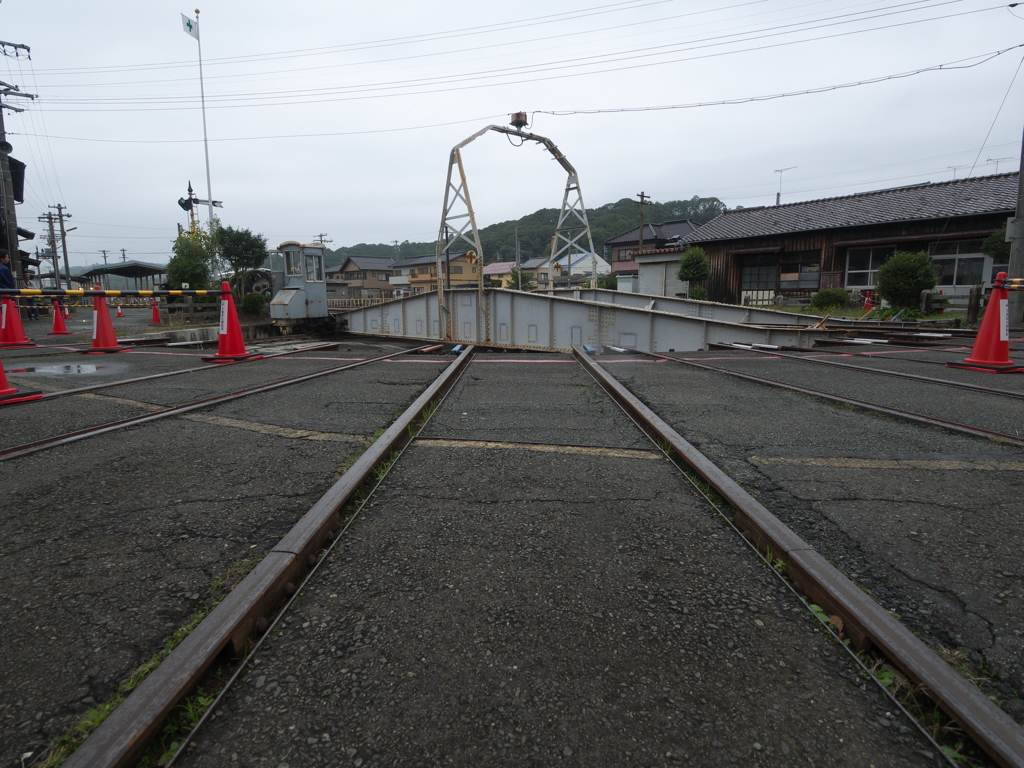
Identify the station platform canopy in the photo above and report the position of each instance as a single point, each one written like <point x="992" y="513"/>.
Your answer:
<point x="133" y="269"/>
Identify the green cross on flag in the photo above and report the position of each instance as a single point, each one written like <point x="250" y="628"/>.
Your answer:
<point x="191" y="26"/>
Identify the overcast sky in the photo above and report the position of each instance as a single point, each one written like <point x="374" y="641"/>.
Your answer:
<point x="338" y="118"/>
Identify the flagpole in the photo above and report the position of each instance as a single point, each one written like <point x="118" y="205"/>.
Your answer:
<point x="206" y="144"/>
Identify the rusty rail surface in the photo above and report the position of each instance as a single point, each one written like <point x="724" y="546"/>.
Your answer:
<point x="866" y="622"/>
<point x="120" y="739"/>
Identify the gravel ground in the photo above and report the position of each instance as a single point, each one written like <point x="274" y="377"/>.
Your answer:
<point x="928" y="522"/>
<point x="523" y="603"/>
<point x="112" y="542"/>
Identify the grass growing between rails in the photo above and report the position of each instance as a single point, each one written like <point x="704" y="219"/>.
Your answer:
<point x="64" y="745"/>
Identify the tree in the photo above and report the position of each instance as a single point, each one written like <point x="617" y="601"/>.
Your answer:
<point x="995" y="245"/>
<point x="194" y="251"/>
<point x="903" y="276"/>
<point x="608" y="282"/>
<point x="520" y="280"/>
<point x="242" y="250"/>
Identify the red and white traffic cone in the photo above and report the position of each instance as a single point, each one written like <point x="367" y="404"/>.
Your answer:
<point x="103" y="338"/>
<point x="59" y="329"/>
<point x="119" y="312"/>
<point x="156" y="313"/>
<point x="67" y="312"/>
<point x="991" y="350"/>
<point x="9" y="394"/>
<point x="230" y="345"/>
<point x="12" y="332"/>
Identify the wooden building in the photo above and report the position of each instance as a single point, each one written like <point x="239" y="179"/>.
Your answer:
<point x="761" y="254"/>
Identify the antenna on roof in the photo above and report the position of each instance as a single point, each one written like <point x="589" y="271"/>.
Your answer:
<point x="998" y="160"/>
<point x="780" y="171"/>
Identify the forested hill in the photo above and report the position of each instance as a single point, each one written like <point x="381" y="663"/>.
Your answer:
<point x="537" y="229"/>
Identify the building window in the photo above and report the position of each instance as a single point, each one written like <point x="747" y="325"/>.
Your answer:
<point x="862" y="264"/>
<point x="799" y="270"/>
<point x="455" y="269"/>
<point x="355" y="276"/>
<point x="959" y="262"/>
<point x="759" y="272"/>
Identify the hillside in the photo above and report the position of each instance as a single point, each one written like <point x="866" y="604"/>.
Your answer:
<point x="537" y="229"/>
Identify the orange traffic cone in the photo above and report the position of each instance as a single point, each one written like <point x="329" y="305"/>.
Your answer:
<point x="103" y="338"/>
<point x="991" y="350"/>
<point x="59" y="329"/>
<point x="230" y="346"/>
<point x="12" y="333"/>
<point x="9" y="394"/>
<point x="119" y="312"/>
<point x="156" y="313"/>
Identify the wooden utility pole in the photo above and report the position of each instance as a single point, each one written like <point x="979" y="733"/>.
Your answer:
<point x="644" y="201"/>
<point x="48" y="218"/>
<point x="1015" y="235"/>
<point x="63" y="239"/>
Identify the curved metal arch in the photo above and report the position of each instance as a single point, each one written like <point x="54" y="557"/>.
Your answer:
<point x="458" y="221"/>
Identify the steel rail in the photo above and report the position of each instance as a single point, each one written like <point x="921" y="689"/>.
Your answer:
<point x="865" y="621"/>
<point x="896" y="374"/>
<point x="120" y="739"/>
<point x="917" y="418"/>
<point x="167" y="374"/>
<point x="71" y="437"/>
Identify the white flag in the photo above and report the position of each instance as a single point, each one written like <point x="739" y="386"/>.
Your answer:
<point x="191" y="26"/>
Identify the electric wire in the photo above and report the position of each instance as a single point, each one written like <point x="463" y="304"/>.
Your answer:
<point x="315" y="95"/>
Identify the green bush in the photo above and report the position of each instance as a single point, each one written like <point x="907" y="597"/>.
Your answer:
<point x="699" y="293"/>
<point x="694" y="265"/>
<point x="253" y="304"/>
<point x="903" y="276"/>
<point x="830" y="298"/>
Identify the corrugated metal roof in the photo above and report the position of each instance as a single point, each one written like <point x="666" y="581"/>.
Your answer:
<point x="963" y="197"/>
<point x="667" y="231"/>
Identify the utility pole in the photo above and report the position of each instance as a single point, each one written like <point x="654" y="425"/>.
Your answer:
<point x="321" y="238"/>
<point x="1015" y="236"/>
<point x="63" y="239"/>
<point x="644" y="200"/>
<point x="105" y="282"/>
<point x="124" y="256"/>
<point x="519" y="268"/>
<point x="780" y="171"/>
<point x="48" y="218"/>
<point x="8" y="216"/>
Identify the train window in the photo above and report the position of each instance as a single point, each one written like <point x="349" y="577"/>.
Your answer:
<point x="292" y="264"/>
<point x="310" y="267"/>
<point x="318" y="260"/>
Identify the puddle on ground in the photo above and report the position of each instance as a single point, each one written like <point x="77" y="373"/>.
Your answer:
<point x="61" y="370"/>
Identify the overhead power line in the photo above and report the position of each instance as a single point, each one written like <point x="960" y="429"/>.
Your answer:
<point x="946" y="67"/>
<point x="565" y="68"/>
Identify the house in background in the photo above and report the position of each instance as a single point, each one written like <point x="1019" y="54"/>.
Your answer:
<point x="577" y="270"/>
<point x="462" y="272"/>
<point x="621" y="248"/>
<point x="360" y="277"/>
<point x="760" y="254"/>
<point x="499" y="272"/>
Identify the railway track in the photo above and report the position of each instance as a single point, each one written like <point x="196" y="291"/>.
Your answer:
<point x="639" y="562"/>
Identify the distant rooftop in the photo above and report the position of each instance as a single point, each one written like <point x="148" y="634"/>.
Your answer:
<point x="961" y="197"/>
<point x="667" y="231"/>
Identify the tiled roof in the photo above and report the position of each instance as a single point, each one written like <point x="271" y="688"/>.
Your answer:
<point x="498" y="267"/>
<point x="667" y="231"/>
<point x="963" y="197"/>
<point x="431" y="259"/>
<point x="366" y="262"/>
